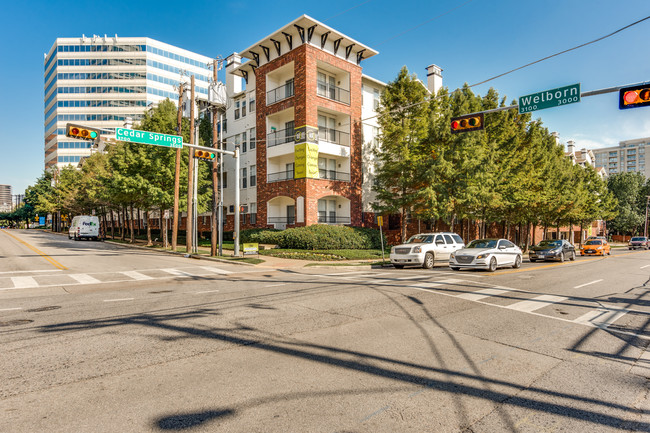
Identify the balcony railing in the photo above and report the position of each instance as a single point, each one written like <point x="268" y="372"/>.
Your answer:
<point x="333" y="175"/>
<point x="332" y="219"/>
<point x="281" y="220"/>
<point x="332" y="92"/>
<point x="334" y="136"/>
<point x="280" y="137"/>
<point x="279" y="93"/>
<point x="282" y="175"/>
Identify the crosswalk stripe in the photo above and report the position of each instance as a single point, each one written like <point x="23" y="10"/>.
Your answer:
<point x="178" y="272"/>
<point x="137" y="275"/>
<point x="24" y="282"/>
<point x="601" y="317"/>
<point x="215" y="270"/>
<point x="84" y="278"/>
<point x="536" y="303"/>
<point x="426" y="285"/>
<point x="480" y="294"/>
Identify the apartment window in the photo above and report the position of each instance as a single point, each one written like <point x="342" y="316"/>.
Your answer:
<point x="375" y="99"/>
<point x="244" y="180"/>
<point x="243" y="142"/>
<point x="253" y="214"/>
<point x="252" y="138"/>
<point x="243" y="108"/>
<point x="251" y="103"/>
<point x="253" y="174"/>
<point x="237" y="104"/>
<point x="289" y="170"/>
<point x="225" y="180"/>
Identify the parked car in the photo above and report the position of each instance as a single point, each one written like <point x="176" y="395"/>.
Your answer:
<point x="638" y="242"/>
<point x="552" y="249"/>
<point x="425" y="249"/>
<point x="84" y="226"/>
<point x="487" y="254"/>
<point x="595" y="247"/>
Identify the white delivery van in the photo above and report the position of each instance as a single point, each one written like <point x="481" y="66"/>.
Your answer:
<point x="84" y="226"/>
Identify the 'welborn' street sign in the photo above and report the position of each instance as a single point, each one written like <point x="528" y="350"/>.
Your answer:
<point x="549" y="98"/>
<point x="146" y="137"/>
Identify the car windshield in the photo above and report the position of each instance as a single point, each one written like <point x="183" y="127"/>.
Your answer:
<point x="549" y="244"/>
<point x="638" y="239"/>
<point x="483" y="243"/>
<point x="594" y="242"/>
<point x="420" y="239"/>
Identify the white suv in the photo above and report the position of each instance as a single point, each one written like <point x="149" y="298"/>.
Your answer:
<point x="425" y="249"/>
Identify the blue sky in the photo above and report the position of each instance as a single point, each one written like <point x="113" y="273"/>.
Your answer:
<point x="477" y="40"/>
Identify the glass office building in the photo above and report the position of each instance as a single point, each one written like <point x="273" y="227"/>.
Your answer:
<point x="100" y="81"/>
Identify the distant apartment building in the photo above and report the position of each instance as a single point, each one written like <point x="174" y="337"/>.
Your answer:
<point x="303" y="114"/>
<point x="100" y="81"/>
<point x="628" y="156"/>
<point x="5" y="198"/>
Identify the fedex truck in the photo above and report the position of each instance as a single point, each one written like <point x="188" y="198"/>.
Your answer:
<point x="84" y="227"/>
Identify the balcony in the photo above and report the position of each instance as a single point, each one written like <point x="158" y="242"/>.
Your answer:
<point x="281" y="220"/>
<point x="333" y="175"/>
<point x="333" y="92"/>
<point x="334" y="136"/>
<point x="282" y="136"/>
<point x="280" y="93"/>
<point x="332" y="218"/>
<point x="280" y="176"/>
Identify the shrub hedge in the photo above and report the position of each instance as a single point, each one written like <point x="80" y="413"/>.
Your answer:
<point x="316" y="237"/>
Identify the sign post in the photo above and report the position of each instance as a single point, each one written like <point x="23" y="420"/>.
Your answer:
<point x="380" y="221"/>
<point x="549" y="98"/>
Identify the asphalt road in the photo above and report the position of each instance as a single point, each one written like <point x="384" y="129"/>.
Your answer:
<point x="100" y="338"/>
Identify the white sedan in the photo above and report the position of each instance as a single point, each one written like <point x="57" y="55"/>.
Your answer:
<point x="487" y="254"/>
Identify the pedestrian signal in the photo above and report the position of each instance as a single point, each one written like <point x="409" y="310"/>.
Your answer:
<point x="471" y="122"/>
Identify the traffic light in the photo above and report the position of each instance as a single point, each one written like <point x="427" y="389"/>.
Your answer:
<point x="83" y="132"/>
<point x="204" y="154"/>
<point x="471" y="122"/>
<point x="634" y="96"/>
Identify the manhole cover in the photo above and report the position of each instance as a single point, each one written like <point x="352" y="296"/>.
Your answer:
<point x="16" y="322"/>
<point x="38" y="310"/>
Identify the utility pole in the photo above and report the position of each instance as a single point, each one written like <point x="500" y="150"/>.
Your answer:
<point x="645" y="230"/>
<point x="190" y="175"/>
<point x="177" y="173"/>
<point x="215" y="174"/>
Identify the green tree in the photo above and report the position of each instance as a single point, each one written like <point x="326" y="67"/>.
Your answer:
<point x="628" y="189"/>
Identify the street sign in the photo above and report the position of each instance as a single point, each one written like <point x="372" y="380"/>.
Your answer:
<point x="146" y="137"/>
<point x="550" y="98"/>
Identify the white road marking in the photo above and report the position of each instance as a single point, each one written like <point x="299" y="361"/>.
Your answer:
<point x="602" y="317"/>
<point x="178" y="273"/>
<point x="587" y="284"/>
<point x="215" y="270"/>
<point x="411" y="277"/>
<point x="24" y="282"/>
<point x="118" y="300"/>
<point x="11" y="309"/>
<point x="536" y="303"/>
<point x="84" y="278"/>
<point x="343" y="273"/>
<point x="24" y="272"/>
<point x="137" y="275"/>
<point x="205" y="291"/>
<point x="480" y="294"/>
<point x="643" y="267"/>
<point x="425" y="285"/>
<point x="451" y="281"/>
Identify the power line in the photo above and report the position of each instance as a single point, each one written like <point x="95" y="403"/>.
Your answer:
<point x="347" y="10"/>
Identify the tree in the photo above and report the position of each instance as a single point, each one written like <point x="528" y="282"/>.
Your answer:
<point x="627" y="188"/>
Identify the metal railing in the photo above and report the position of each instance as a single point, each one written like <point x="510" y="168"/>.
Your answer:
<point x="333" y="92"/>
<point x="280" y="137"/>
<point x="332" y="219"/>
<point x="279" y="93"/>
<point x="334" y="136"/>
<point x="281" y="220"/>
<point x="282" y="175"/>
<point x="333" y="175"/>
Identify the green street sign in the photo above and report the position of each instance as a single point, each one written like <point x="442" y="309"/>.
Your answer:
<point x="550" y="98"/>
<point x="146" y="137"/>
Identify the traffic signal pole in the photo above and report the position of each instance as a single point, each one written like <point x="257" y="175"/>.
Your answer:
<point x="177" y="172"/>
<point x="190" y="177"/>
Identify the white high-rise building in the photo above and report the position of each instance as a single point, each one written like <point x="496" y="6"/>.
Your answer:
<point x="5" y="198"/>
<point x="629" y="156"/>
<point x="100" y="81"/>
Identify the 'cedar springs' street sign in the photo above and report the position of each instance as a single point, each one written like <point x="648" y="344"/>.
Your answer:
<point x="550" y="98"/>
<point x="146" y="137"/>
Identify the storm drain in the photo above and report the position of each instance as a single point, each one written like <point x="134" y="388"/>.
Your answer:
<point x="16" y="322"/>
<point x="38" y="310"/>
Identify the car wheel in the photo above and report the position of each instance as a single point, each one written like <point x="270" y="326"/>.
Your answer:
<point x="428" y="261"/>
<point x="562" y="257"/>
<point x="493" y="264"/>
<point x="399" y="266"/>
<point x="517" y="263"/>
<point x="454" y="268"/>
<point x="573" y="256"/>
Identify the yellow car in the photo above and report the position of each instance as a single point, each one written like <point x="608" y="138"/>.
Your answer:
<point x="595" y="247"/>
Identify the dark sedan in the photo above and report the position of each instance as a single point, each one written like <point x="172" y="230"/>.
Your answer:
<point x="552" y="250"/>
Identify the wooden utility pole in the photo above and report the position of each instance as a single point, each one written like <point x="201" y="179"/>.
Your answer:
<point x="215" y="166"/>
<point x="189" y="229"/>
<point x="177" y="173"/>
